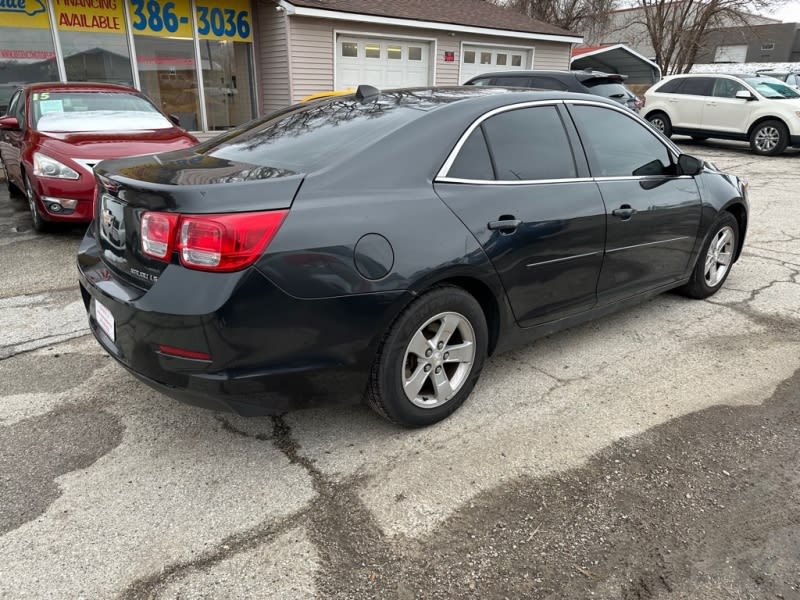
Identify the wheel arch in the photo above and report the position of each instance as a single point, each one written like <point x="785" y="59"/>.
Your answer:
<point x="739" y="212"/>
<point x="763" y="119"/>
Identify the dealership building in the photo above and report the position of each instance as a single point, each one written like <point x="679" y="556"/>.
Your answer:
<point x="217" y="64"/>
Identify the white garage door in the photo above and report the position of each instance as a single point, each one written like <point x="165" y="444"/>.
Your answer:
<point x="383" y="63"/>
<point x="476" y="60"/>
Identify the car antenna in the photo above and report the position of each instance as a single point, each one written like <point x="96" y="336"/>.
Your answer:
<point x="366" y="93"/>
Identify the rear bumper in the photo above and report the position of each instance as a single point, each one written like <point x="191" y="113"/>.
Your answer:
<point x="269" y="352"/>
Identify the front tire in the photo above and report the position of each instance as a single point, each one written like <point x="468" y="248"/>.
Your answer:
<point x="39" y="223"/>
<point x="660" y="121"/>
<point x="431" y="358"/>
<point x="715" y="260"/>
<point x="769" y="138"/>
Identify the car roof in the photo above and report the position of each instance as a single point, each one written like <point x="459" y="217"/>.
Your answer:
<point x="575" y="74"/>
<point x="79" y="87"/>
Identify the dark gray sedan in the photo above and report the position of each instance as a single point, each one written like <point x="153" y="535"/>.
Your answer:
<point x="380" y="246"/>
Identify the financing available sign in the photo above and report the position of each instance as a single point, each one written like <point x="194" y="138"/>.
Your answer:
<point x="90" y="15"/>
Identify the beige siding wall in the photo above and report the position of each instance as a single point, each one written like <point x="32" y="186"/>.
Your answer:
<point x="311" y="48"/>
<point x="273" y="57"/>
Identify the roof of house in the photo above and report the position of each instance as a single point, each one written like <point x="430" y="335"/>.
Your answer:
<point x="473" y="13"/>
<point x="578" y="50"/>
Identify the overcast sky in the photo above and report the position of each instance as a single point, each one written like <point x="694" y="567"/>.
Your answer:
<point x="790" y="12"/>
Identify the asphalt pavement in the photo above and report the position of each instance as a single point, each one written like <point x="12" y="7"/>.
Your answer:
<point x="650" y="454"/>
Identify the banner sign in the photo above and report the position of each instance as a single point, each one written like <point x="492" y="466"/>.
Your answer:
<point x="24" y="13"/>
<point x="161" y="19"/>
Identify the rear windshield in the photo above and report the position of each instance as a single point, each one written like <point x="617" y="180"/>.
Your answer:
<point x="94" y="111"/>
<point x="772" y="88"/>
<point x="615" y="91"/>
<point x="310" y="135"/>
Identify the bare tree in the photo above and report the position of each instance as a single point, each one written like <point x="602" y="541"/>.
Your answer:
<point x="580" y="16"/>
<point x="677" y="28"/>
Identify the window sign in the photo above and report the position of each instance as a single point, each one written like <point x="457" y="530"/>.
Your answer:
<point x="24" y="13"/>
<point x="216" y="20"/>
<point x="229" y="20"/>
<point x="161" y="19"/>
<point x="94" y="17"/>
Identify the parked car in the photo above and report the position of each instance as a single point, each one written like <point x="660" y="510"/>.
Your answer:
<point x="382" y="245"/>
<point x="54" y="133"/>
<point x="790" y="78"/>
<point x="607" y="85"/>
<point x="762" y="110"/>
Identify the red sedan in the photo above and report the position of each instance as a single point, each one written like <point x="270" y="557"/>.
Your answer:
<point x="54" y="134"/>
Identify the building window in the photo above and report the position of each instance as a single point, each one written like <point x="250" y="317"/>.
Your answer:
<point x="350" y="49"/>
<point x="486" y="58"/>
<point x="469" y="57"/>
<point x="94" y="48"/>
<point x="516" y="60"/>
<point x="414" y="53"/>
<point x="394" y="52"/>
<point x="27" y="52"/>
<point x="501" y="60"/>
<point x="372" y="51"/>
<point x="768" y="47"/>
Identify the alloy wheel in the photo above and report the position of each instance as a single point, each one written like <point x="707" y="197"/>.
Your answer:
<point x="767" y="138"/>
<point x="719" y="256"/>
<point x="29" y="194"/>
<point x="658" y="123"/>
<point x="438" y="359"/>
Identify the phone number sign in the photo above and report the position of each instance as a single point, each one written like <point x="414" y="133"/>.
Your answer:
<point x="233" y="21"/>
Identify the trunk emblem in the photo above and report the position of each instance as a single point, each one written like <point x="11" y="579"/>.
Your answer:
<point x="112" y="222"/>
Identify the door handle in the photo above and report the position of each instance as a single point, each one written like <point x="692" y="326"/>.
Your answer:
<point x="508" y="225"/>
<point x="624" y="212"/>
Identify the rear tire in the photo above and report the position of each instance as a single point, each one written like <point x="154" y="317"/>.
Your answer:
<point x="430" y="359"/>
<point x="715" y="260"/>
<point x="660" y="121"/>
<point x="769" y="138"/>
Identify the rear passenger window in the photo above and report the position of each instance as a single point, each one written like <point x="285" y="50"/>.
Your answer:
<point x="548" y="83"/>
<point x="512" y="81"/>
<point x="529" y="144"/>
<point x="697" y="86"/>
<point x="619" y="146"/>
<point x="672" y="86"/>
<point x="473" y="161"/>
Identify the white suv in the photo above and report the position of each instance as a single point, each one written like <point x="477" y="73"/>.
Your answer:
<point x="763" y="110"/>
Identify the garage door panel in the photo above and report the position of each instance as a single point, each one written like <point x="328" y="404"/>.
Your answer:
<point x="384" y="63"/>
<point x="476" y="60"/>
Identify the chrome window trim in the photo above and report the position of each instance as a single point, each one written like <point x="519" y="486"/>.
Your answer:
<point x="511" y="181"/>
<point x="557" y="260"/>
<point x="442" y="177"/>
<point x="683" y="237"/>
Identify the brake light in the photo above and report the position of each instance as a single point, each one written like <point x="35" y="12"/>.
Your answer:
<point x="227" y="242"/>
<point x="183" y="353"/>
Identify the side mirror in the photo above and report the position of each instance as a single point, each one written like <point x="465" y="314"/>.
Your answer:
<point x="9" y="123"/>
<point x="744" y="95"/>
<point x="175" y="119"/>
<point x="689" y="165"/>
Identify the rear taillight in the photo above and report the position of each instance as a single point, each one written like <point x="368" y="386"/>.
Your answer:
<point x="157" y="234"/>
<point x="226" y="242"/>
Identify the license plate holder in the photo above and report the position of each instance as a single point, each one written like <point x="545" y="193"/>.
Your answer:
<point x="104" y="319"/>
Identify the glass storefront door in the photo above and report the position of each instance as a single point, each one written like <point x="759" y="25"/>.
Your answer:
<point x="193" y="58"/>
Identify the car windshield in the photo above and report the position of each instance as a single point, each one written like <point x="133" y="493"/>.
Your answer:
<point x="772" y="88"/>
<point x="615" y="91"/>
<point x="94" y="111"/>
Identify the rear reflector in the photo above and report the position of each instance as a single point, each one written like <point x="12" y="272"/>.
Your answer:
<point x="227" y="242"/>
<point x="181" y="353"/>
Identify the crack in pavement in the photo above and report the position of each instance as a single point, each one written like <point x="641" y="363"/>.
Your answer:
<point x="10" y="351"/>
